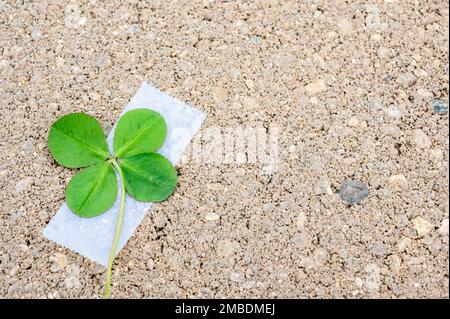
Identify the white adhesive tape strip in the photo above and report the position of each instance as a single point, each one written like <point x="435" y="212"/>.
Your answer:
<point x="92" y="237"/>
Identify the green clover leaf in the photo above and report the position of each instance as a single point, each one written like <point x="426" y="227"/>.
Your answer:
<point x="149" y="177"/>
<point x="139" y="131"/>
<point x="92" y="191"/>
<point x="77" y="140"/>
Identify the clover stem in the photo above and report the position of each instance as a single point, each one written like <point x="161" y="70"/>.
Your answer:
<point x="112" y="253"/>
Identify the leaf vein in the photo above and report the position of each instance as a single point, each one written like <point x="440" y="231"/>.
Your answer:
<point x="88" y="146"/>
<point x="147" y="177"/>
<point x="93" y="189"/>
<point x="125" y="147"/>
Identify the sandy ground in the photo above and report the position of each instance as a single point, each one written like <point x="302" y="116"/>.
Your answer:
<point x="350" y="86"/>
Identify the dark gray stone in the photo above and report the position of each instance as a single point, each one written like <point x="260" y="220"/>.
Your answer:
<point x="439" y="106"/>
<point x="353" y="192"/>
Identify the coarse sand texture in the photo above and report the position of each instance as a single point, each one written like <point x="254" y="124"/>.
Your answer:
<point x="354" y="95"/>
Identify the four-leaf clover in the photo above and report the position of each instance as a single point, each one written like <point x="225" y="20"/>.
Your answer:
<point x="77" y="141"/>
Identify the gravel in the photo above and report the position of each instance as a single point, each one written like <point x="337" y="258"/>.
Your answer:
<point x="361" y="58"/>
<point x="439" y="106"/>
<point x="353" y="192"/>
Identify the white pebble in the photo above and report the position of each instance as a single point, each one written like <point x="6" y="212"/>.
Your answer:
<point x="376" y="37"/>
<point x="392" y="130"/>
<point x="248" y="284"/>
<point x="24" y="184"/>
<point x="407" y="80"/>
<point x="301" y="221"/>
<point x="4" y="65"/>
<point x="315" y="87"/>
<point x="394" y="112"/>
<point x="235" y="73"/>
<point x="250" y="84"/>
<point x="436" y="155"/>
<point x="395" y="263"/>
<point x="422" y="226"/>
<point x="398" y="182"/>
<point x="424" y="93"/>
<point x="283" y="60"/>
<point x="353" y="122"/>
<point x="324" y="186"/>
<point x="373" y="277"/>
<point x="150" y="264"/>
<point x="379" y="249"/>
<point x="210" y="217"/>
<point x="345" y="26"/>
<point x="443" y="229"/>
<point x="160" y="220"/>
<point x="60" y="262"/>
<point x="421" y="139"/>
<point x="358" y="282"/>
<point x="82" y="20"/>
<point x="73" y="277"/>
<point x="403" y="244"/>
<point x="237" y="276"/>
<point x="225" y="248"/>
<point x="219" y="94"/>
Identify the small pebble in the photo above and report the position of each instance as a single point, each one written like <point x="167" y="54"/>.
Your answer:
<point x="379" y="249"/>
<point x="250" y="84"/>
<point x="235" y="73"/>
<point x="283" y="60"/>
<point x="376" y="37"/>
<point x="353" y="122"/>
<point x="391" y="130"/>
<point x="403" y="244"/>
<point x="24" y="184"/>
<point x="394" y="112"/>
<point x="73" y="277"/>
<point x="398" y="182"/>
<point x="4" y="65"/>
<point x="36" y="34"/>
<point x="439" y="106"/>
<point x="424" y="93"/>
<point x="219" y="94"/>
<point x="301" y="221"/>
<point x="372" y="281"/>
<point x="395" y="263"/>
<point x="3" y="172"/>
<point x="407" y="80"/>
<point x="413" y="260"/>
<point x="358" y="282"/>
<point x="436" y="155"/>
<point x="160" y="220"/>
<point x="384" y="53"/>
<point x="60" y="262"/>
<point x="422" y="226"/>
<point x="323" y="186"/>
<point x="299" y="239"/>
<point x="225" y="248"/>
<point x="315" y="88"/>
<point x="354" y="192"/>
<point x="345" y="26"/>
<point x="237" y="276"/>
<point x="421" y="139"/>
<point x="210" y="217"/>
<point x="388" y="282"/>
<point x="248" y="284"/>
<point x="256" y="39"/>
<point x="443" y="229"/>
<point x="150" y="264"/>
